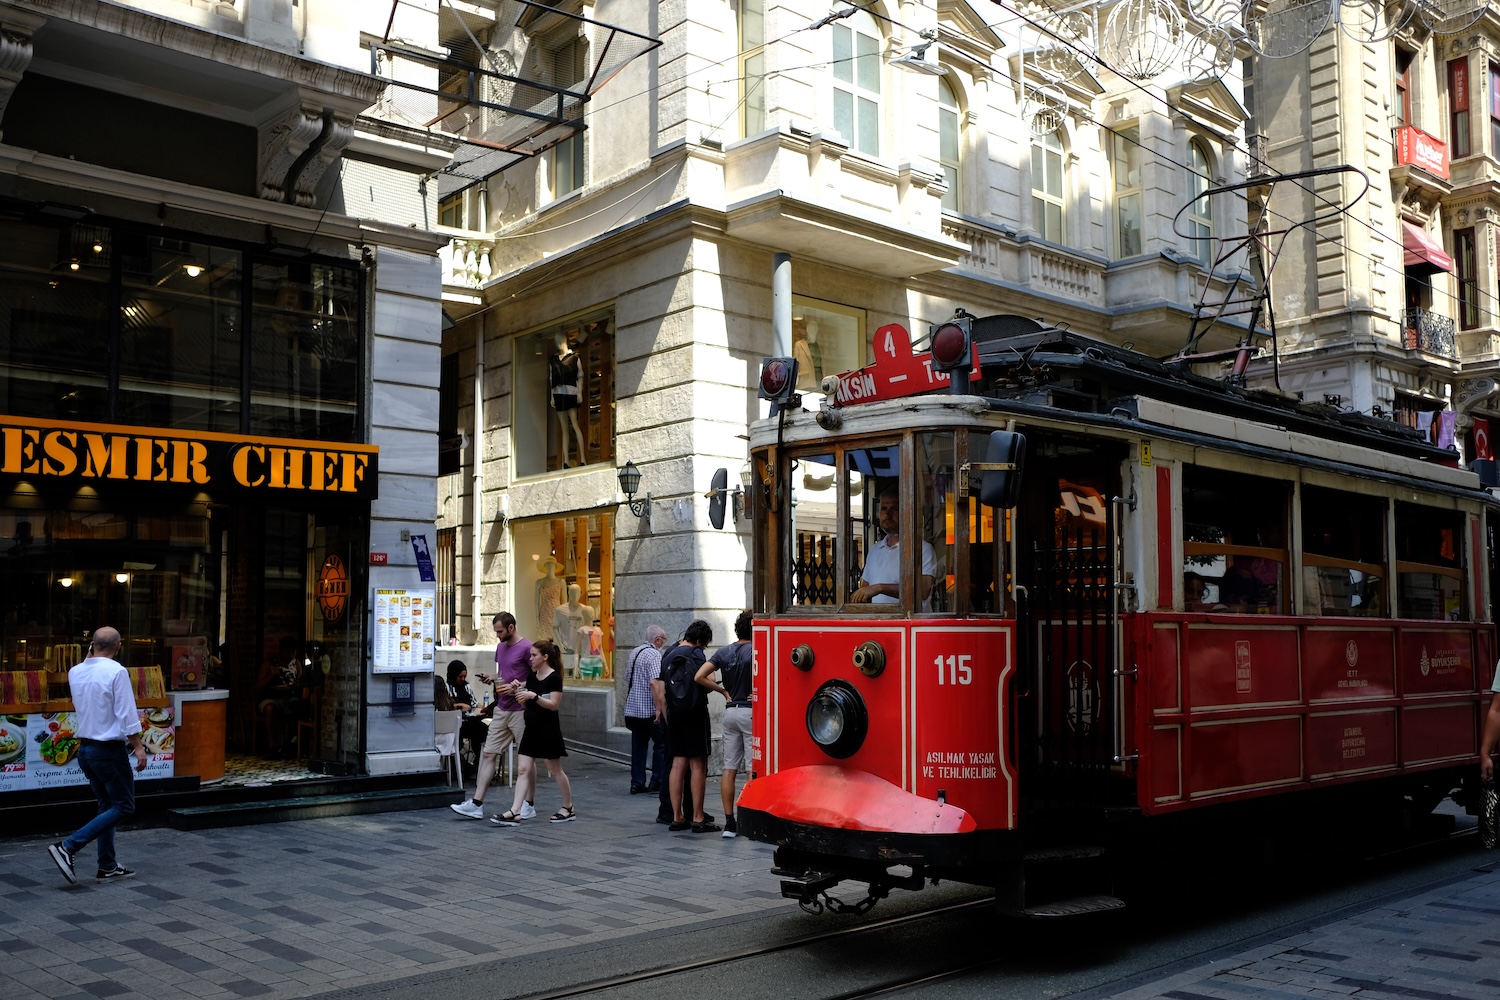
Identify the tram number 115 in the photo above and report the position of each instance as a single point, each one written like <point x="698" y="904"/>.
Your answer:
<point x="954" y="669"/>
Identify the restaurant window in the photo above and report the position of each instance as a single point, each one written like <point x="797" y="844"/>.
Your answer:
<point x="856" y="68"/>
<point x="750" y="22"/>
<point x="179" y="353"/>
<point x="1234" y="541"/>
<point x="170" y="312"/>
<point x="55" y="330"/>
<point x="1466" y="270"/>
<point x="564" y="592"/>
<point x="1429" y="562"/>
<point x="564" y="396"/>
<point x="1343" y="553"/>
<point x="1047" y="205"/>
<point x="1125" y="162"/>
<point x="1458" y="107"/>
<point x="304" y="351"/>
<point x="827" y="339"/>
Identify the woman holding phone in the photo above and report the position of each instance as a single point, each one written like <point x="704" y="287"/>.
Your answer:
<point x="541" y="697"/>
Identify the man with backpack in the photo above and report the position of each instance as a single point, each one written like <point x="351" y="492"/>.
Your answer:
<point x="683" y="698"/>
<point x="733" y="665"/>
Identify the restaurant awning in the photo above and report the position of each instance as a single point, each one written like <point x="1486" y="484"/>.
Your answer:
<point x="1422" y="251"/>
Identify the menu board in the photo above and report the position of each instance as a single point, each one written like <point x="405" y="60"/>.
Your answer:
<point x="402" y="636"/>
<point x="40" y="750"/>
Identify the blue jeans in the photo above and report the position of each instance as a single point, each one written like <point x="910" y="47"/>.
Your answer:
<point x="643" y="732"/>
<point x="109" y="774"/>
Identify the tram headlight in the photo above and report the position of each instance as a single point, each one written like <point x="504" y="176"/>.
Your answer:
<point x="837" y="719"/>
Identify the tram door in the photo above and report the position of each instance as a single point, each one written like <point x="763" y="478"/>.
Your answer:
<point x="1068" y="546"/>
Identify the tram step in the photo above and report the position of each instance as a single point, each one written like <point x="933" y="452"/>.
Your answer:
<point x="1078" y="906"/>
<point x="1077" y="852"/>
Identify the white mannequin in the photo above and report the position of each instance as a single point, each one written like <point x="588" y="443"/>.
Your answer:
<point x="566" y="623"/>
<point x="563" y="374"/>
<point x="809" y="358"/>
<point x="549" y="597"/>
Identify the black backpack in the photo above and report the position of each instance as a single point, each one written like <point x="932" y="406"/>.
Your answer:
<point x="684" y="693"/>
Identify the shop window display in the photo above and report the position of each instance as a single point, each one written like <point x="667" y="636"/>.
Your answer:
<point x="564" y="397"/>
<point x="565" y="589"/>
<point x="827" y="339"/>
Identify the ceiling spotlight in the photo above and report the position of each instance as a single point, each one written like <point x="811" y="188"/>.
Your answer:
<point x="122" y="578"/>
<point x="98" y="246"/>
<point x="193" y="270"/>
<point x="73" y="264"/>
<point x="65" y="582"/>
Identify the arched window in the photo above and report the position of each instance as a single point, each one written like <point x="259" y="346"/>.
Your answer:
<point x="1047" y="187"/>
<point x="857" y="67"/>
<point x="1200" y="215"/>
<point x="950" y="141"/>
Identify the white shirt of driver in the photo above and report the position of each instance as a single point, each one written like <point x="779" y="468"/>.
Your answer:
<point x="883" y="565"/>
<point x="103" y="700"/>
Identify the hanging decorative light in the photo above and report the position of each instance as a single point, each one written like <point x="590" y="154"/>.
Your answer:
<point x="1142" y="38"/>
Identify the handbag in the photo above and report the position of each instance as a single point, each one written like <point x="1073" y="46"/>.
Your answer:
<point x="1489" y="815"/>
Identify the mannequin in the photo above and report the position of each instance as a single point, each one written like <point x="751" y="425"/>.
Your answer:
<point x="809" y="356"/>
<point x="566" y="622"/>
<point x="562" y="374"/>
<point x="549" y="595"/>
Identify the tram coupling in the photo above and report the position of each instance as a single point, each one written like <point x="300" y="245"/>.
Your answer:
<point x="810" y="890"/>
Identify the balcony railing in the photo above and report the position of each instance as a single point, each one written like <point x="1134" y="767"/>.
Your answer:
<point x="1426" y="331"/>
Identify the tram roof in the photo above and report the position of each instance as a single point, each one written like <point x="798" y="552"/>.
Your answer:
<point x="1059" y="375"/>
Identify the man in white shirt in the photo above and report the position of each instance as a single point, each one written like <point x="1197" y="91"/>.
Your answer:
<point x="105" y="722"/>
<point x="880" y="583"/>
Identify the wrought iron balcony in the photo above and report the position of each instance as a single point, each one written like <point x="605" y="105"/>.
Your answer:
<point x="1424" y="330"/>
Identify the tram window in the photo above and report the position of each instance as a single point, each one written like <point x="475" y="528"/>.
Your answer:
<point x="989" y="541"/>
<point x="812" y="526"/>
<point x="1343" y="553"/>
<point x="936" y="474"/>
<point x="876" y="496"/>
<point x="1429" y="562"/>
<point x="1234" y="538"/>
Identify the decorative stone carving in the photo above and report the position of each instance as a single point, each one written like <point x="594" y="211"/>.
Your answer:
<point x="284" y="138"/>
<point x="1473" y="391"/>
<point x="15" y="55"/>
<point x="338" y="130"/>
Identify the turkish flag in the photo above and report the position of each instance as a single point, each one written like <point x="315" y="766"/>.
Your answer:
<point x="1482" y="438"/>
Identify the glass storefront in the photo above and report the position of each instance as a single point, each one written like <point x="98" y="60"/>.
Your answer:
<point x="564" y="590"/>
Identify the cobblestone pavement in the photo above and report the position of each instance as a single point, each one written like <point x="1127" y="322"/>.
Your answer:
<point x="296" y="909"/>
<point x="293" y="909"/>
<point x="1442" y="944"/>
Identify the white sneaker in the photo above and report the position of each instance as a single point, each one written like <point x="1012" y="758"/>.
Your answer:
<point x="528" y="811"/>
<point x="469" y="809"/>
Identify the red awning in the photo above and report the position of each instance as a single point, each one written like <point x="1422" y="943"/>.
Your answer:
<point x="1422" y="252"/>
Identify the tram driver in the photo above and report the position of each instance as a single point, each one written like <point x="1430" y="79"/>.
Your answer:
<point x="880" y="582"/>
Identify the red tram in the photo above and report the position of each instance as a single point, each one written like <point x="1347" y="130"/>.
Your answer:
<point x="1117" y="588"/>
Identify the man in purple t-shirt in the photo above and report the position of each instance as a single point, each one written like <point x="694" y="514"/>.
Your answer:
<point x="508" y="723"/>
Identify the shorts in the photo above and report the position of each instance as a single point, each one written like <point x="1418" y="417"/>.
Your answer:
<point x="736" y="737"/>
<point x="505" y="728"/>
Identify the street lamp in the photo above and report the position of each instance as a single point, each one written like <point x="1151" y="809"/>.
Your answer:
<point x="630" y="482"/>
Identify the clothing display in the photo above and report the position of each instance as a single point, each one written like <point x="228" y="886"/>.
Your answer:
<point x="549" y="596"/>
<point x="562" y="373"/>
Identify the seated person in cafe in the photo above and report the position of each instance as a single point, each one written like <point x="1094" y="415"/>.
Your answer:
<point x="880" y="582"/>
<point x="1250" y="584"/>
<point x="284" y="692"/>
<point x="454" y="693"/>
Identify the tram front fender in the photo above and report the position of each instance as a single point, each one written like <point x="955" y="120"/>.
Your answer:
<point x="827" y="796"/>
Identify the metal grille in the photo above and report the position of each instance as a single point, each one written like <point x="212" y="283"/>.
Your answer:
<point x="1073" y="622"/>
<point x="813" y="569"/>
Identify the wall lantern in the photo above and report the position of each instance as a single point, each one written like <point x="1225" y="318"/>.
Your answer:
<point x="630" y="482"/>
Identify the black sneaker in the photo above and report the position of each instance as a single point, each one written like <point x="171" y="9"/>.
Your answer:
<point x="114" y="874"/>
<point x="730" y="829"/>
<point x="64" y="861"/>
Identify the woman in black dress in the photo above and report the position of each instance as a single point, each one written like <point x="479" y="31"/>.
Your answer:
<point x="542" y="739"/>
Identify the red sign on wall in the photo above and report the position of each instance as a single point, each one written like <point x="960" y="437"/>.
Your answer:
<point x="1418" y="149"/>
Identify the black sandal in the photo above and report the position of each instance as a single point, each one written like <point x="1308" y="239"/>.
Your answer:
<point x="564" y="815"/>
<point x="507" y="818"/>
